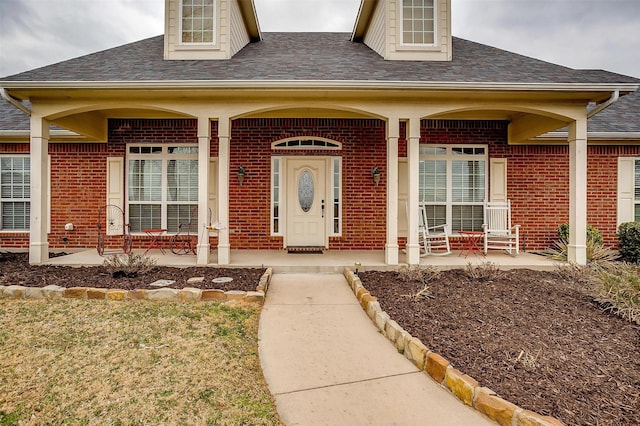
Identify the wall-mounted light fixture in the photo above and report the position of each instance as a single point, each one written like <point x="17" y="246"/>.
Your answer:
<point x="375" y="175"/>
<point x="241" y="174"/>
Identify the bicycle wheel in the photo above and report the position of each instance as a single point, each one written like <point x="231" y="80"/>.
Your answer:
<point x="100" y="245"/>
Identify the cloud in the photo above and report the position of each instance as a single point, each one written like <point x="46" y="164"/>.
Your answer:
<point x="601" y="34"/>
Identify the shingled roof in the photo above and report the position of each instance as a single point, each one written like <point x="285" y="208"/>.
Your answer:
<point x="313" y="56"/>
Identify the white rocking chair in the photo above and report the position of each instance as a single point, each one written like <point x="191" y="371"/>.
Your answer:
<point x="434" y="240"/>
<point x="499" y="234"/>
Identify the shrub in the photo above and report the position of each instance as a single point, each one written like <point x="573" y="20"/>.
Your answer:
<point x="617" y="289"/>
<point x="422" y="274"/>
<point x="592" y="233"/>
<point x="629" y="241"/>
<point x="596" y="253"/>
<point x="486" y="271"/>
<point x="128" y="265"/>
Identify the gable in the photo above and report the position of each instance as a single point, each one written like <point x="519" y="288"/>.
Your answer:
<point x="412" y="30"/>
<point x="208" y="29"/>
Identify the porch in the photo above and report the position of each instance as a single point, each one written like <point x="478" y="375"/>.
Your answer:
<point x="329" y="261"/>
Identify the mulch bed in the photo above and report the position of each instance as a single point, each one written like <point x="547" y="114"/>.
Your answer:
<point x="533" y="338"/>
<point x="16" y="270"/>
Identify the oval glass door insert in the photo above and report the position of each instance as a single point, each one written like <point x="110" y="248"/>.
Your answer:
<point x="305" y="190"/>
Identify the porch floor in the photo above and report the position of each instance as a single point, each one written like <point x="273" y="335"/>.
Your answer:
<point x="330" y="261"/>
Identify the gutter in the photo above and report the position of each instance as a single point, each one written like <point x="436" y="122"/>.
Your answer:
<point x="316" y="84"/>
<point x="615" y="95"/>
<point x="13" y="101"/>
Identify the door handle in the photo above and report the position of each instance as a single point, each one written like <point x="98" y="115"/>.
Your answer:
<point x="322" y="207"/>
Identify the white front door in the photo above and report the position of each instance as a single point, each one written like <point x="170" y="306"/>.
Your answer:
<point x="306" y="202"/>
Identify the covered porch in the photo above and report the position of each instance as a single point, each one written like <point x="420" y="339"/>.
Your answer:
<point x="329" y="261"/>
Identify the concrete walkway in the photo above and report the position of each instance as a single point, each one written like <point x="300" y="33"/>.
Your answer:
<point x="326" y="363"/>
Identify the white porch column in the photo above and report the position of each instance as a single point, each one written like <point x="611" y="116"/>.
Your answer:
<point x="413" y="165"/>
<point x="577" y="249"/>
<point x="204" y="136"/>
<point x="391" y="249"/>
<point x="39" y="151"/>
<point x="224" y="247"/>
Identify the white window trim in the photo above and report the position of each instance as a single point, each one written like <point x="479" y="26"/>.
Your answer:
<point x="9" y="200"/>
<point x="449" y="157"/>
<point x="281" y="161"/>
<point x="164" y="156"/>
<point x="276" y="192"/>
<point x="404" y="45"/>
<point x="329" y="144"/>
<point x="193" y="45"/>
<point x="333" y="168"/>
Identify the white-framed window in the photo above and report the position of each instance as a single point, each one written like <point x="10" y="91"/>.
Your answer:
<point x="636" y="190"/>
<point x="453" y="185"/>
<point x="162" y="186"/>
<point x="417" y="22"/>
<point x="276" y="196"/>
<point x="336" y="192"/>
<point x="197" y="21"/>
<point x="15" y="192"/>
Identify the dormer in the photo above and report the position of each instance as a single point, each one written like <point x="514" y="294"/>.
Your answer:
<point x="208" y="29"/>
<point x="406" y="30"/>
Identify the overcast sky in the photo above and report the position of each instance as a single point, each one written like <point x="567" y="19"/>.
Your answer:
<point x="601" y="34"/>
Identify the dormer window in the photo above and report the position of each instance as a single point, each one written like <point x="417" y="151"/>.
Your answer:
<point x="418" y="22"/>
<point x="197" y="20"/>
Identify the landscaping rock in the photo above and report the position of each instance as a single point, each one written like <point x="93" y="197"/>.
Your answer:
<point x="254" y="297"/>
<point x="163" y="294"/>
<point x="235" y="295"/>
<point x="53" y="291"/>
<point x="486" y="401"/>
<point x="460" y="385"/>
<point x="195" y="280"/>
<point x="97" y="293"/>
<point x="213" y="295"/>
<point x="418" y="352"/>
<point x="14" y="292"/>
<point x="189" y="294"/>
<point x="34" y="293"/>
<point x="436" y="366"/>
<point x="75" y="292"/>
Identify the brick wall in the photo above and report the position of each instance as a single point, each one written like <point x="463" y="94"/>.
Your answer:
<point x="537" y="177"/>
<point x="364" y="204"/>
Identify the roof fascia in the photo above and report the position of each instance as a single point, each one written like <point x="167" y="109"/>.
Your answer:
<point x="363" y="19"/>
<point x="320" y="84"/>
<point x="250" y="17"/>
<point x="561" y="137"/>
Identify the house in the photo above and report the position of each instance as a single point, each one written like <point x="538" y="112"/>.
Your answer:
<point x="324" y="140"/>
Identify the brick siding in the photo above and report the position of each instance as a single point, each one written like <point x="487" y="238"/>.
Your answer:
<point x="537" y="177"/>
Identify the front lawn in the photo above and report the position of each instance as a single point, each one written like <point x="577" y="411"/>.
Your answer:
<point x="101" y="362"/>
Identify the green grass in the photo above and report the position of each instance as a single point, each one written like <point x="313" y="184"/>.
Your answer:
<point x="101" y="362"/>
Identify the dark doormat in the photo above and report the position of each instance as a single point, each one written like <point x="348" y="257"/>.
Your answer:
<point x="304" y="250"/>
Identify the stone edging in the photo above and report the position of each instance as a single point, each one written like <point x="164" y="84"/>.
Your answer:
<point x="187" y="294"/>
<point x="465" y="388"/>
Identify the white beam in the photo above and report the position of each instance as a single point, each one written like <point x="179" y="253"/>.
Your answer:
<point x="577" y="249"/>
<point x="204" y="136"/>
<point x="39" y="150"/>
<point x="392" y="249"/>
<point x="224" y="152"/>
<point x="413" y="165"/>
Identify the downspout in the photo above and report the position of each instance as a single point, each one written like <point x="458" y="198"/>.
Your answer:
<point x="13" y="101"/>
<point x="606" y="104"/>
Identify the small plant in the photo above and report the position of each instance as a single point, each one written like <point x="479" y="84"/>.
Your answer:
<point x="574" y="273"/>
<point x="486" y="271"/>
<point x="596" y="252"/>
<point x="425" y="292"/>
<point x="526" y="359"/>
<point x="422" y="274"/>
<point x="629" y="241"/>
<point x="128" y="265"/>
<point x="617" y="289"/>
<point x="592" y="233"/>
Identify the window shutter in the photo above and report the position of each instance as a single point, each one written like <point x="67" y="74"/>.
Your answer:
<point x="213" y="190"/>
<point x="115" y="190"/>
<point x="498" y="179"/>
<point x="626" y="189"/>
<point x="49" y="194"/>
